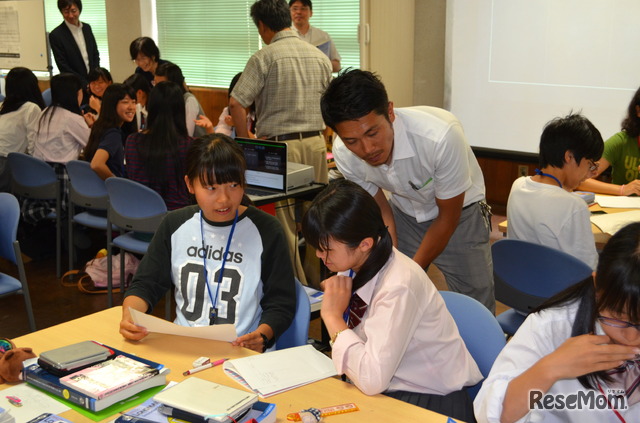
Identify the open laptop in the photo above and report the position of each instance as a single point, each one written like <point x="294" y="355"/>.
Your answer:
<point x="268" y="171"/>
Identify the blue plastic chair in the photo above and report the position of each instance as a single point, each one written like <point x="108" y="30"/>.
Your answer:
<point x="133" y="207"/>
<point x="34" y="178"/>
<point x="46" y="96"/>
<point x="87" y="190"/>
<point x="298" y="333"/>
<point x="526" y="274"/>
<point x="10" y="251"/>
<point x="479" y="330"/>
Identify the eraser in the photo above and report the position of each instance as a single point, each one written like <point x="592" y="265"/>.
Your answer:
<point x="201" y="361"/>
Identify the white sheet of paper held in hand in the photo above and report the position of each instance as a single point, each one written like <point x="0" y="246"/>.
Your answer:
<point x="154" y="324"/>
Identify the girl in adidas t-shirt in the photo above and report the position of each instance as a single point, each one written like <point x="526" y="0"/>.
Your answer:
<point x="226" y="262"/>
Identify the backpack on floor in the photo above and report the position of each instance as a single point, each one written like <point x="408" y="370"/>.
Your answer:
<point x="93" y="280"/>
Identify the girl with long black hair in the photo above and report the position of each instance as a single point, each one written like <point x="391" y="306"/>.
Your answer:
<point x="583" y="343"/>
<point x="390" y="329"/>
<point x="18" y="118"/>
<point x="105" y="149"/>
<point x="156" y="157"/>
<point x="62" y="129"/>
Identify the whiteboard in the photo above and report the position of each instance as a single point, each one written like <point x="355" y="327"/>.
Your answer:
<point x="513" y="65"/>
<point x="23" y="36"/>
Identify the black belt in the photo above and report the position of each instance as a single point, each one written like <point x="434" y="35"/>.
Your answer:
<point x="295" y="136"/>
<point x="470" y="205"/>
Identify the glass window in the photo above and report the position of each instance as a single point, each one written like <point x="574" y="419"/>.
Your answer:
<point x="212" y="41"/>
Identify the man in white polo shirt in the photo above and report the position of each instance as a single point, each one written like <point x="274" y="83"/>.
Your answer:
<point x="436" y="212"/>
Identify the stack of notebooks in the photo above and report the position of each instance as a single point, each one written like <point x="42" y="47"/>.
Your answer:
<point x="6" y="417"/>
<point x="93" y="375"/>
<point x="201" y="401"/>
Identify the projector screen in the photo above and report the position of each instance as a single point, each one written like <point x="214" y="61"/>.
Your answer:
<point x="513" y="65"/>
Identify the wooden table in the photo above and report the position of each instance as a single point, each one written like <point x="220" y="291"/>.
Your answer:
<point x="600" y="237"/>
<point x="178" y="352"/>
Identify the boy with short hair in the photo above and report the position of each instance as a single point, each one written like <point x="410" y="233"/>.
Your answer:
<point x="541" y="208"/>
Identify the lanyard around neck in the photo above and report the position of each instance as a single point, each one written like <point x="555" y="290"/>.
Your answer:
<point x="541" y="173"/>
<point x="214" y="299"/>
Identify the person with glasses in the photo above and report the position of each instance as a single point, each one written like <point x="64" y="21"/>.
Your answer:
<point x="542" y="208"/>
<point x="72" y="42"/>
<point x="582" y="343"/>
<point x="622" y="154"/>
<point x="146" y="55"/>
<point x="301" y="12"/>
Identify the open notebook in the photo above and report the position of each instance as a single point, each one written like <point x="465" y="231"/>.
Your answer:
<point x="278" y="371"/>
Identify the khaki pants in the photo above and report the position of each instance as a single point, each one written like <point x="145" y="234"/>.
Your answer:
<point x="311" y="151"/>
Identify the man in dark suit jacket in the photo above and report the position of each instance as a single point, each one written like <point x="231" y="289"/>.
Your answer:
<point x="72" y="42"/>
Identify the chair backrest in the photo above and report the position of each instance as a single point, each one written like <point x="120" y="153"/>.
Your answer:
<point x="479" y="330"/>
<point x="46" y="96"/>
<point x="526" y="273"/>
<point x="86" y="188"/>
<point x="32" y="178"/>
<point x="133" y="206"/>
<point x="9" y="216"/>
<point x="298" y="333"/>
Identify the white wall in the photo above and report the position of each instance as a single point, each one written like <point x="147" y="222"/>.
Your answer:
<point x="516" y="64"/>
<point x="124" y="24"/>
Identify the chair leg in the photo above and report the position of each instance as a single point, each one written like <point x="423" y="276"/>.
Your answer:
<point x="70" y="235"/>
<point x="167" y="305"/>
<point x="122" y="253"/>
<point x="109" y="270"/>
<point x="25" y="287"/>
<point x="58" y="235"/>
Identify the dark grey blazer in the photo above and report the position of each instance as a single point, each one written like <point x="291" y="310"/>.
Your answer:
<point x="67" y="53"/>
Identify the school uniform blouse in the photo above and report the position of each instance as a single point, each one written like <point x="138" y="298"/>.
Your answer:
<point x="17" y="129"/>
<point x="540" y="335"/>
<point x="60" y="139"/>
<point x="407" y="340"/>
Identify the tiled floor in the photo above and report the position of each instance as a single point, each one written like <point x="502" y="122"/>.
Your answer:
<point x="54" y="303"/>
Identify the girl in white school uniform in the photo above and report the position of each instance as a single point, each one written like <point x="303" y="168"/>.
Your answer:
<point x="62" y="132"/>
<point x="390" y="330"/>
<point x="19" y="115"/>
<point x="62" y="129"/>
<point x="575" y="359"/>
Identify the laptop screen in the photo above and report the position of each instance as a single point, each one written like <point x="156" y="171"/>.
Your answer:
<point x="266" y="163"/>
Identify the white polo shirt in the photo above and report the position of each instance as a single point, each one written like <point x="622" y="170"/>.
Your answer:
<point x="430" y="150"/>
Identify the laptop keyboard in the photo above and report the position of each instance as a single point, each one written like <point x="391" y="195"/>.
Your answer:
<point x="258" y="192"/>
